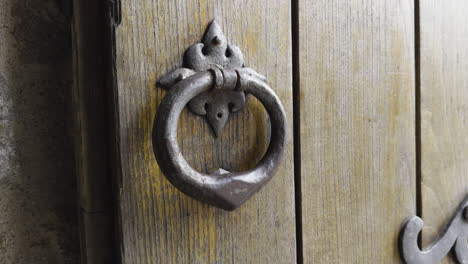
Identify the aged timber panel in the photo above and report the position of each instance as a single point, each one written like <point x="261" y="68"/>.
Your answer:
<point x="357" y="113"/>
<point x="158" y="223"/>
<point x="444" y="112"/>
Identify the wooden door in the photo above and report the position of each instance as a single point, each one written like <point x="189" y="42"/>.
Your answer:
<point x="376" y="97"/>
<point x="149" y="43"/>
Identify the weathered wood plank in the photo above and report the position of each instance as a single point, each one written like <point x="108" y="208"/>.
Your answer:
<point x="357" y="113"/>
<point x="444" y="112"/>
<point x="158" y="223"/>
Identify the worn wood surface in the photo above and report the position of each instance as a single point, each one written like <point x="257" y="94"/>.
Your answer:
<point x="357" y="103"/>
<point x="91" y="126"/>
<point x="444" y="112"/>
<point x="159" y="224"/>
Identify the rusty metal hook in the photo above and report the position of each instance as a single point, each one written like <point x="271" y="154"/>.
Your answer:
<point x="215" y="76"/>
<point x="455" y="235"/>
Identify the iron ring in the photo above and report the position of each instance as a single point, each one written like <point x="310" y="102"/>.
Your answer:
<point x="230" y="190"/>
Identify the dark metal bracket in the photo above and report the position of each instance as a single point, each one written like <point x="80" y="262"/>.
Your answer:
<point x="454" y="236"/>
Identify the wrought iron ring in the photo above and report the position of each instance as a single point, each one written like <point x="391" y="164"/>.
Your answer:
<point x="221" y="189"/>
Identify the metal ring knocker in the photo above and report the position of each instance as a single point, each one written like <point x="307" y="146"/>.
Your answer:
<point x="213" y="78"/>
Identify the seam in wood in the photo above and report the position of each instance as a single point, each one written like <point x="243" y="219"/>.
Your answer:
<point x="97" y="236"/>
<point x="418" y="139"/>
<point x="114" y="133"/>
<point x="296" y="127"/>
<point x="84" y="211"/>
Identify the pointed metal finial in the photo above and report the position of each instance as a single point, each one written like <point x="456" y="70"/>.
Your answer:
<point x="213" y="51"/>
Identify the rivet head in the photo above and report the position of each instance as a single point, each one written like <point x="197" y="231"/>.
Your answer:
<point x="216" y="41"/>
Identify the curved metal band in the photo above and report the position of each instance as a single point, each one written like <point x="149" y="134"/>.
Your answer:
<point x="455" y="236"/>
<point x="228" y="191"/>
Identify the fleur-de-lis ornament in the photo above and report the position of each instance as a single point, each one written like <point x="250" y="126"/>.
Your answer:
<point x="213" y="53"/>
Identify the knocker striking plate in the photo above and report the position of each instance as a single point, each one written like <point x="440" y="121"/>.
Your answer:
<point x="214" y="83"/>
<point x="454" y="236"/>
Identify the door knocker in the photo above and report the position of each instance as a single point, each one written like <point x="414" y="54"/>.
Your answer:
<point x="454" y="236"/>
<point x="214" y="83"/>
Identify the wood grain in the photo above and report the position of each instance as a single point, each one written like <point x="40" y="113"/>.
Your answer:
<point x="444" y="112"/>
<point x="158" y="223"/>
<point x="357" y="113"/>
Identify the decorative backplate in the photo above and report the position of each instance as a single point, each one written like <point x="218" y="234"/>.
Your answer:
<point x="213" y="53"/>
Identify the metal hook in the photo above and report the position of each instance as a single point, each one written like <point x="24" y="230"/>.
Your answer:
<point x="455" y="234"/>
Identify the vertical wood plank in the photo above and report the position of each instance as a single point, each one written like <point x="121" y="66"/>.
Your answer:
<point x="357" y="119"/>
<point x="158" y="223"/>
<point x="444" y="112"/>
